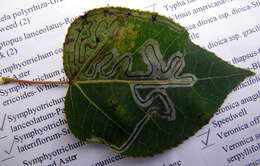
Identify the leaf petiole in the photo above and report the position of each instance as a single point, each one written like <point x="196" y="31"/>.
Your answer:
<point x="5" y="80"/>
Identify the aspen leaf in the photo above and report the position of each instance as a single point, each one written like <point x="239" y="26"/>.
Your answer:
<point x="137" y="82"/>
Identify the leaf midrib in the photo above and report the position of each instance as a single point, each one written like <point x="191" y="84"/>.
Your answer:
<point x="152" y="81"/>
<point x="130" y="81"/>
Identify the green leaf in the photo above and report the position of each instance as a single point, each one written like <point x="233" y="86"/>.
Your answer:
<point x="137" y="82"/>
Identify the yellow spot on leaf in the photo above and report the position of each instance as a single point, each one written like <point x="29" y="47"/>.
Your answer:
<point x="127" y="38"/>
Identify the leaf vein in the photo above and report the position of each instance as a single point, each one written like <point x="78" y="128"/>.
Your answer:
<point x="100" y="110"/>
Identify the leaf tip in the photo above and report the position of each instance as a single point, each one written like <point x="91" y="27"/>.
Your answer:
<point x="252" y="73"/>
